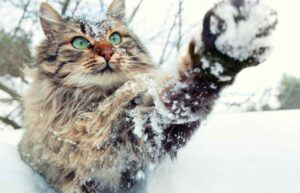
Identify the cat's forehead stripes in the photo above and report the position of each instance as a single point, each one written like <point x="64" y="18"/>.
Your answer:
<point x="97" y="30"/>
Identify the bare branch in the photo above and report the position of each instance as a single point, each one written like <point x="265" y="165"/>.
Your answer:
<point x="76" y="7"/>
<point x="22" y="18"/>
<point x="11" y="92"/>
<point x="162" y="28"/>
<point x="6" y="100"/>
<point x="133" y="14"/>
<point x="180" y="4"/>
<point x="10" y="122"/>
<point x="177" y="21"/>
<point x="162" y="58"/>
<point x="65" y="6"/>
<point x="101" y="5"/>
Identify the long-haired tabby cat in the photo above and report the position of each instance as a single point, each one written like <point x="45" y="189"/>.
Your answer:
<point x="98" y="113"/>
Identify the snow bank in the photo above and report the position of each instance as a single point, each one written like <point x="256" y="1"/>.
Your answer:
<point x="232" y="153"/>
<point x="16" y="176"/>
<point x="237" y="153"/>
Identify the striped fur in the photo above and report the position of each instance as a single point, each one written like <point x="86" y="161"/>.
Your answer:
<point x="71" y="105"/>
<point x="80" y="128"/>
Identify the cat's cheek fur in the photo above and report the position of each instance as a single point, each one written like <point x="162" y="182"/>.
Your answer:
<point x="106" y="80"/>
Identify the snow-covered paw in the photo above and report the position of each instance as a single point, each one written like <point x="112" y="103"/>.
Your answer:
<point x="240" y="30"/>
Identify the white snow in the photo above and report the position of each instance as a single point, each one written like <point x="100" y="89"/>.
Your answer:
<point x="231" y="153"/>
<point x="237" y="153"/>
<point x="16" y="176"/>
<point x="139" y="122"/>
<point x="205" y="63"/>
<point x="240" y="39"/>
<point x="216" y="70"/>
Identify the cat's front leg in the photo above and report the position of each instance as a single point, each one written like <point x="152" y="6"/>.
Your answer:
<point x="235" y="36"/>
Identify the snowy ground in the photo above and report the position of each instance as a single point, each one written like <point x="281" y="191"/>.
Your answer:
<point x="232" y="153"/>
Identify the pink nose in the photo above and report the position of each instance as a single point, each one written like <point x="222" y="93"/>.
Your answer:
<point x="106" y="54"/>
<point x="104" y="49"/>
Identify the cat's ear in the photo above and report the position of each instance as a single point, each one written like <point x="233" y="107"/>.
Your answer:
<point x="117" y="9"/>
<point x="50" y="19"/>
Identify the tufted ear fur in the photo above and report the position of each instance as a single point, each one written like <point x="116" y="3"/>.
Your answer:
<point x="50" y="20"/>
<point x="117" y="9"/>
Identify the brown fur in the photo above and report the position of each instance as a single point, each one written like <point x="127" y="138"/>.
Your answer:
<point x="80" y="131"/>
<point x="61" y="144"/>
<point x="71" y="106"/>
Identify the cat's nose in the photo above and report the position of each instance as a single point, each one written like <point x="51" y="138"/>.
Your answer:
<point x="106" y="54"/>
<point x="105" y="50"/>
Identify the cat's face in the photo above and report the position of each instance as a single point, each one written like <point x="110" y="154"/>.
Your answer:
<point x="77" y="53"/>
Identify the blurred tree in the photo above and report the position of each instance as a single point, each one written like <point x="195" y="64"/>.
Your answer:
<point x="15" y="51"/>
<point x="15" y="43"/>
<point x="289" y="95"/>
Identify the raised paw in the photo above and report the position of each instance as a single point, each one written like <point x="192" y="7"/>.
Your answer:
<point x="240" y="30"/>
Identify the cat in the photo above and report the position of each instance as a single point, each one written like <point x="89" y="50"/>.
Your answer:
<point x="98" y="113"/>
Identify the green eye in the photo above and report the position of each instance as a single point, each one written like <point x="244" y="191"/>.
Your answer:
<point x="80" y="43"/>
<point x="115" y="39"/>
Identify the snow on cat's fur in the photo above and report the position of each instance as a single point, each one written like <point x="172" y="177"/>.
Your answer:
<point x="97" y="118"/>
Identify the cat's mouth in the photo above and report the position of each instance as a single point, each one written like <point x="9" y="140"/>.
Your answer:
<point x="106" y="68"/>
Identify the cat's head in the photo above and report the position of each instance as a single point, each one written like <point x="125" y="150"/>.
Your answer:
<point x="83" y="53"/>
